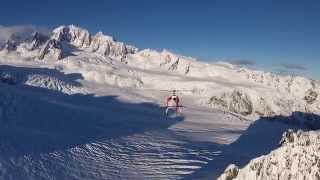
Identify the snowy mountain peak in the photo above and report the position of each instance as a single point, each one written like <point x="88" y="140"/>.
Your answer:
<point x="108" y="46"/>
<point x="103" y="36"/>
<point x="75" y="35"/>
<point x="64" y="41"/>
<point x="220" y="85"/>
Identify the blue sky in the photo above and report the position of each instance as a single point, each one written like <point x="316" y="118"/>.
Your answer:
<point x="275" y="35"/>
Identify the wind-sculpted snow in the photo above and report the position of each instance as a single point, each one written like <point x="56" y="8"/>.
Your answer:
<point x="297" y="158"/>
<point x="44" y="78"/>
<point x="45" y="134"/>
<point x="145" y="156"/>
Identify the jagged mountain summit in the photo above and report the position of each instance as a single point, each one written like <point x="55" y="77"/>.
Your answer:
<point x="65" y="37"/>
<point x="64" y="40"/>
<point x="219" y="85"/>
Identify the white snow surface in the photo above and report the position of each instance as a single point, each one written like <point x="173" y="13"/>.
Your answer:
<point x="82" y="106"/>
<point x="297" y="158"/>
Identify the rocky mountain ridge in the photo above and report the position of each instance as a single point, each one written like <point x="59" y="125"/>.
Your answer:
<point x="219" y="85"/>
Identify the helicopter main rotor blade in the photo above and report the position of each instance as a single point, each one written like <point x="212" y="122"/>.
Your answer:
<point x="167" y="90"/>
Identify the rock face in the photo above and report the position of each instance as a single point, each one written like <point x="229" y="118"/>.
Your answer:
<point x="297" y="158"/>
<point x="174" y="66"/>
<point x="52" y="47"/>
<point x="311" y="96"/>
<point x="12" y="43"/>
<point x="37" y="40"/>
<point x="240" y="103"/>
<point x="236" y="101"/>
<point x="10" y="46"/>
<point x="107" y="46"/>
<point x="230" y="173"/>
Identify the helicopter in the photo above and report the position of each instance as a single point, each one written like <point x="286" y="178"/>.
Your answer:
<point x="172" y="103"/>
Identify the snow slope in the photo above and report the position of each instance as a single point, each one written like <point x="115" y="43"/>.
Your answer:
<point x="82" y="106"/>
<point x="297" y="158"/>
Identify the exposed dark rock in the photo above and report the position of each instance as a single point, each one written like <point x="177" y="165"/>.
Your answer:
<point x="311" y="96"/>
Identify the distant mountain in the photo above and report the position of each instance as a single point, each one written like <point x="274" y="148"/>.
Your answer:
<point x="220" y="85"/>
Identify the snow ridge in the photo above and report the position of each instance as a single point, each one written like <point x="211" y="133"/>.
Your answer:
<point x="297" y="158"/>
<point x="220" y="85"/>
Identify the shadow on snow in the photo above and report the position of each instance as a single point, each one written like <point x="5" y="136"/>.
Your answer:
<point x="38" y="120"/>
<point x="261" y="137"/>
